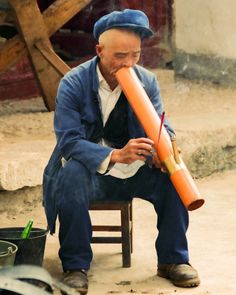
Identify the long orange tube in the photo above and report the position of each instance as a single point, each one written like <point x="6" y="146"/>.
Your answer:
<point x="149" y="119"/>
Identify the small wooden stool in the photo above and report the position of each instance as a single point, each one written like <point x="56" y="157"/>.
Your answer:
<point x="125" y="228"/>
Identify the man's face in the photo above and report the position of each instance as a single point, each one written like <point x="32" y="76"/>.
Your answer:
<point x="117" y="49"/>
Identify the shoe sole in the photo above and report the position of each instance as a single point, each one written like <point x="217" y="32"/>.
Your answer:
<point x="66" y="290"/>
<point x="190" y="283"/>
<point x="79" y="291"/>
<point x="82" y="292"/>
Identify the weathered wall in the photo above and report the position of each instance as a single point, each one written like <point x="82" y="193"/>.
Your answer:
<point x="205" y="39"/>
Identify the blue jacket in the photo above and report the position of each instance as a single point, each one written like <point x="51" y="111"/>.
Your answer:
<point x="75" y="120"/>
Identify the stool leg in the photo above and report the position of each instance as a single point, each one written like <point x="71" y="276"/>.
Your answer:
<point x="125" y="235"/>
<point x="131" y="226"/>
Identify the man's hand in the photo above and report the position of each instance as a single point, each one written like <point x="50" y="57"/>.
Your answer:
<point x="157" y="162"/>
<point x="138" y="149"/>
<point x="135" y="149"/>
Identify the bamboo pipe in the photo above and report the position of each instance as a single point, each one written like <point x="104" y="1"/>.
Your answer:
<point x="150" y="121"/>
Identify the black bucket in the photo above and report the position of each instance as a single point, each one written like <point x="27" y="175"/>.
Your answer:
<point x="31" y="250"/>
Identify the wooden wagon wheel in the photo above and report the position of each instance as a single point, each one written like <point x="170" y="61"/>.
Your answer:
<point x="35" y="30"/>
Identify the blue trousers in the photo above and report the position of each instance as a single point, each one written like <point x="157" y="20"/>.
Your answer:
<point x="77" y="186"/>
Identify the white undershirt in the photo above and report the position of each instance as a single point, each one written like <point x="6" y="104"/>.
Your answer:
<point x="107" y="100"/>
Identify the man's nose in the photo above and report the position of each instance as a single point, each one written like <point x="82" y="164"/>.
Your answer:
<point x="128" y="62"/>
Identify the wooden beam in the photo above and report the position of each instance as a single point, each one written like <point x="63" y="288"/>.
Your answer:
<point x="11" y="52"/>
<point x="50" y="55"/>
<point x="55" y="16"/>
<point x="48" y="77"/>
<point x="60" y="12"/>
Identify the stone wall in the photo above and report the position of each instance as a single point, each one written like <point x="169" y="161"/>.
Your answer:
<point x="205" y="40"/>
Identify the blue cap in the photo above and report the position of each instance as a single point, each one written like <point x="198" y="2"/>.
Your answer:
<point x="134" y="20"/>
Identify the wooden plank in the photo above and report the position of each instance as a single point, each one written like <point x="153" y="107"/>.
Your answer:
<point x="47" y="76"/>
<point x="52" y="57"/>
<point x="11" y="52"/>
<point x="109" y="205"/>
<point x="108" y="228"/>
<point x="106" y="240"/>
<point x="55" y="16"/>
<point x="60" y="12"/>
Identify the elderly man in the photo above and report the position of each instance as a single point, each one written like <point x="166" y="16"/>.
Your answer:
<point x="102" y="153"/>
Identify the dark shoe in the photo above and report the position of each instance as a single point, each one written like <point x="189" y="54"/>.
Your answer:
<point x="76" y="279"/>
<point x="181" y="275"/>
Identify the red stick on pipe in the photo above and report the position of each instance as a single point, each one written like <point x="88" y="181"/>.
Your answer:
<point x="162" y="120"/>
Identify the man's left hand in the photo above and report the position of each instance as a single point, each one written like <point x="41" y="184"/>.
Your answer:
<point x="157" y="162"/>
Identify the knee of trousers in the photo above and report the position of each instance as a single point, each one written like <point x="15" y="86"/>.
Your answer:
<point x="75" y="183"/>
<point x="165" y="193"/>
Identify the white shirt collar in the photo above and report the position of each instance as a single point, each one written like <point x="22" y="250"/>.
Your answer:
<point x="100" y="76"/>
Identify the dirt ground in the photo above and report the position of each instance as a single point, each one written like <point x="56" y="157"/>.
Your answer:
<point x="212" y="245"/>
<point x="211" y="236"/>
<point x="198" y="107"/>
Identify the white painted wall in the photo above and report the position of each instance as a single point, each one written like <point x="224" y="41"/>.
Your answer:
<point x="206" y="27"/>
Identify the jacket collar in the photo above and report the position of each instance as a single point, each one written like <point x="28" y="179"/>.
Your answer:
<point x="95" y="82"/>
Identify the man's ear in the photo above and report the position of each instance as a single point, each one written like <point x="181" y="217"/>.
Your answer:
<point x="99" y="50"/>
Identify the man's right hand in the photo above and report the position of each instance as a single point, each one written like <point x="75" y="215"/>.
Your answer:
<point x="135" y="149"/>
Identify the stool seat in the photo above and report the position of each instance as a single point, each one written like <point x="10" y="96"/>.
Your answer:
<point x="125" y="227"/>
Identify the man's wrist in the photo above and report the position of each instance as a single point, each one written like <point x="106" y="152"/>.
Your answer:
<point x="114" y="156"/>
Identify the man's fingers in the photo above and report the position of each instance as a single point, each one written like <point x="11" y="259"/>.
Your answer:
<point x="144" y="152"/>
<point x="142" y="140"/>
